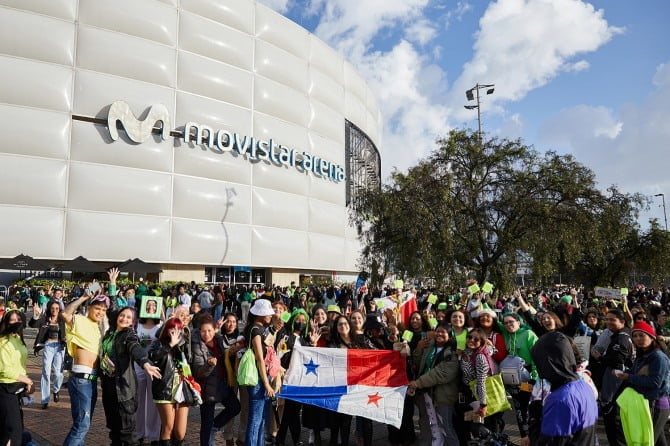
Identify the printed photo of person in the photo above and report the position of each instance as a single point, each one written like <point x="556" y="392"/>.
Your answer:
<point x="151" y="307"/>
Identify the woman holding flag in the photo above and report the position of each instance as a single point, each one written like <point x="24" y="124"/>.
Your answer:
<point x="344" y="337"/>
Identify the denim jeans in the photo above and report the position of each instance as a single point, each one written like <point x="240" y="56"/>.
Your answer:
<point x="258" y="404"/>
<point x="52" y="359"/>
<point x="445" y="416"/>
<point x="83" y="395"/>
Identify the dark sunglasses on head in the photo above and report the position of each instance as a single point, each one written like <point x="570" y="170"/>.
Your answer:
<point x="475" y="338"/>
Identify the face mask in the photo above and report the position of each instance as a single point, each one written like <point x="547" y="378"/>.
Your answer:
<point x="14" y="327"/>
<point x="299" y="326"/>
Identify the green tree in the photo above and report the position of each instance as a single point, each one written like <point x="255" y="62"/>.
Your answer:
<point x="473" y="206"/>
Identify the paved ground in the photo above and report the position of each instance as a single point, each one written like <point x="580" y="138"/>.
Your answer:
<point x="50" y="427"/>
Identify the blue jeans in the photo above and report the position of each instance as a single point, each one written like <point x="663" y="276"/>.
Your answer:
<point x="52" y="359"/>
<point x="83" y="395"/>
<point x="258" y="404"/>
<point x="445" y="416"/>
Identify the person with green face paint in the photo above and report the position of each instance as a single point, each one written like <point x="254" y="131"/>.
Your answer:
<point x="298" y="332"/>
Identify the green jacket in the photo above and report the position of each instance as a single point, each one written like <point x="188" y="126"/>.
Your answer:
<point x="519" y="344"/>
<point x="441" y="378"/>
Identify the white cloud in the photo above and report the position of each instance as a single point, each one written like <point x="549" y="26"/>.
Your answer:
<point x="523" y="44"/>
<point x="458" y="12"/>
<point x="628" y="147"/>
<point x="278" y="5"/>
<point x="580" y="65"/>
<point x="420" y="32"/>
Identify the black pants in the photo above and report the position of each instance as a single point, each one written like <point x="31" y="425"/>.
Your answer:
<point x="341" y="424"/>
<point x="404" y="435"/>
<point x="613" y="428"/>
<point x="209" y="423"/>
<point x="520" y="402"/>
<point x="120" y="416"/>
<point x="11" y="427"/>
<point x="290" y="421"/>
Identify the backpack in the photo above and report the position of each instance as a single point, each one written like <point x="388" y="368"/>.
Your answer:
<point x="513" y="371"/>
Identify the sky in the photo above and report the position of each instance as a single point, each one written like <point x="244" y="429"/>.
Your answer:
<point x="587" y="78"/>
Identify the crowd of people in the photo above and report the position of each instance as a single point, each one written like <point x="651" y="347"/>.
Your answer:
<point x="563" y="357"/>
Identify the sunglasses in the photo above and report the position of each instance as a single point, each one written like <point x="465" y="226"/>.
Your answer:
<point x="475" y="338"/>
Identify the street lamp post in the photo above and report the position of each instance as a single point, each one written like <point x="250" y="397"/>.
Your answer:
<point x="665" y="215"/>
<point x="471" y="97"/>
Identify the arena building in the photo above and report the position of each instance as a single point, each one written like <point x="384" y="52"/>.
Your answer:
<point x="215" y="138"/>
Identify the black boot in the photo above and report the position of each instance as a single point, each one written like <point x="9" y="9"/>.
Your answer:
<point x="163" y="442"/>
<point x="177" y="442"/>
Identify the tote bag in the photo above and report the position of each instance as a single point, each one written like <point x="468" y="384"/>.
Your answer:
<point x="247" y="372"/>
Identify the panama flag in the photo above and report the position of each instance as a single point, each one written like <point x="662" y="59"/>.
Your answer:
<point x="367" y="383"/>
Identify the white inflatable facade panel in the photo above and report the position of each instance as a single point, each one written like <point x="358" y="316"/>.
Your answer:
<point x="62" y="9"/>
<point x="35" y="84"/>
<point x="327" y="218"/>
<point x="119" y="189"/>
<point x="17" y="122"/>
<point x="127" y="56"/>
<point x="326" y="60"/>
<point x="204" y="162"/>
<point x="218" y="114"/>
<point x="214" y="79"/>
<point x="326" y="89"/>
<point x="238" y="14"/>
<point x="272" y="246"/>
<point x="205" y="199"/>
<point x="280" y="178"/>
<point x="53" y="43"/>
<point x="282" y="66"/>
<point x="32" y="181"/>
<point x="95" y="91"/>
<point x="217" y="243"/>
<point x="69" y="186"/>
<point x="325" y="250"/>
<point x="38" y="231"/>
<point x="92" y="144"/>
<point x="279" y="209"/>
<point x="281" y="32"/>
<point x="110" y="236"/>
<point x="215" y="40"/>
<point x="148" y="20"/>
<point x="284" y="102"/>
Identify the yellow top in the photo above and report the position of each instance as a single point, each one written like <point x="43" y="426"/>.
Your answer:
<point x="13" y="355"/>
<point x="84" y="333"/>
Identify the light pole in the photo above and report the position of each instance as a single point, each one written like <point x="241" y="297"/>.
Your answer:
<point x="665" y="215"/>
<point x="471" y="96"/>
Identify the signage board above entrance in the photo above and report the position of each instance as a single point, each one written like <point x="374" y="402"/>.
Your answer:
<point x="220" y="141"/>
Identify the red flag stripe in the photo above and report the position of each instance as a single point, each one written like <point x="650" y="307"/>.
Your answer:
<point x="381" y="368"/>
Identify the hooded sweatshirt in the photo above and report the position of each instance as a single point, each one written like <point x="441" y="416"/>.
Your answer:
<point x="570" y="412"/>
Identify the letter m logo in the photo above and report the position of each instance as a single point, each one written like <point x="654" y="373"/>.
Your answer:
<point x="138" y="131"/>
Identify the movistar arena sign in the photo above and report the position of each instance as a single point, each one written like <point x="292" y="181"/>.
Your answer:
<point x="219" y="140"/>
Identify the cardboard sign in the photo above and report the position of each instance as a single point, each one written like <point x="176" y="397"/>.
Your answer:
<point x="487" y="287"/>
<point x="407" y="335"/>
<point x="624" y="291"/>
<point x="151" y="307"/>
<point x="474" y="288"/>
<point x="442" y="306"/>
<point x="398" y="284"/>
<point x="432" y="322"/>
<point x="432" y="299"/>
<point x="583" y="344"/>
<point x="610" y="293"/>
<point x="285" y="316"/>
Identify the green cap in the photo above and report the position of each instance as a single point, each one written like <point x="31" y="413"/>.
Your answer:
<point x="566" y="299"/>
